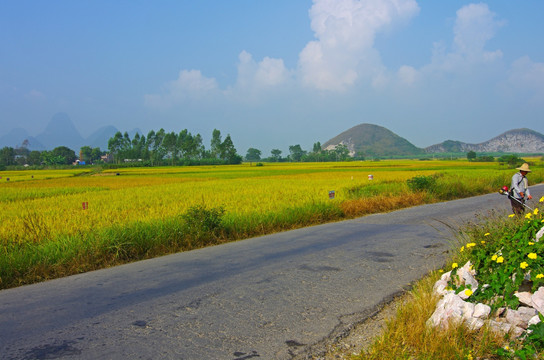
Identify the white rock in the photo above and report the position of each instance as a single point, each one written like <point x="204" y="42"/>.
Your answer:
<point x="534" y="320"/>
<point x="525" y="298"/>
<point x="520" y="317"/>
<point x="539" y="234"/>
<point x="439" y="287"/>
<point x="481" y="311"/>
<point x="474" y="323"/>
<point x="538" y="300"/>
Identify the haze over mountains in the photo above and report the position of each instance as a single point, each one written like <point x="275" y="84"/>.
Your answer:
<point x="367" y="139"/>
<point x="60" y="131"/>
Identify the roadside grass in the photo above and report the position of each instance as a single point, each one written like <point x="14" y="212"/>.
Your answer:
<point x="407" y="336"/>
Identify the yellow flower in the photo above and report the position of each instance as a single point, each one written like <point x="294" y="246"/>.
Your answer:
<point x="528" y="215"/>
<point x="532" y="256"/>
<point x="469" y="245"/>
<point x="523" y="265"/>
<point x="540" y="276"/>
<point x="454" y="265"/>
<point x="494" y="257"/>
<point x="468" y="292"/>
<point x="541" y="199"/>
<point x="535" y="211"/>
<point x="440" y="271"/>
<point x="531" y="243"/>
<point x="487" y="234"/>
<point x="511" y="215"/>
<point x="500" y="260"/>
<point x="462" y="249"/>
<point x="483" y="242"/>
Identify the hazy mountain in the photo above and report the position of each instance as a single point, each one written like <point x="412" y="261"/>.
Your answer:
<point x="515" y="141"/>
<point x="60" y="131"/>
<point x="16" y="137"/>
<point x="100" y="137"/>
<point x="373" y="140"/>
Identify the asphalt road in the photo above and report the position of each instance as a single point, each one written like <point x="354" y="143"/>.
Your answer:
<point x="272" y="297"/>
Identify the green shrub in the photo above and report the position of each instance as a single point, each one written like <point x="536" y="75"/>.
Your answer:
<point x="203" y="225"/>
<point x="421" y="183"/>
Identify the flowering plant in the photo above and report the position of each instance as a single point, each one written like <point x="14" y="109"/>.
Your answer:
<point x="505" y="262"/>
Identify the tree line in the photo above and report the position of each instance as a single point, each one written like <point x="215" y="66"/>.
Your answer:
<point x="297" y="154"/>
<point x="162" y="148"/>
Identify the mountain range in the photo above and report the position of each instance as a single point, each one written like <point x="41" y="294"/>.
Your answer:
<point x="60" y="131"/>
<point x="377" y="141"/>
<point x="369" y="139"/>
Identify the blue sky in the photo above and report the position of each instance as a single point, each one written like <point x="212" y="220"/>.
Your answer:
<point x="275" y="73"/>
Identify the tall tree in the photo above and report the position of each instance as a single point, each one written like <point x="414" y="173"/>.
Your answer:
<point x="68" y="155"/>
<point x="276" y="154"/>
<point x="253" y="154"/>
<point x="215" y="144"/>
<point x="296" y="152"/>
<point x="7" y="156"/>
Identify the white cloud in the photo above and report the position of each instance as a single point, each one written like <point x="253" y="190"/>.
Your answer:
<point x="474" y="26"/>
<point x="345" y="32"/>
<point x="528" y="76"/>
<point x="189" y="85"/>
<point x="407" y="75"/>
<point x="269" y="72"/>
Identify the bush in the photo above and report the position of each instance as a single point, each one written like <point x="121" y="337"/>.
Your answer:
<point x="421" y="183"/>
<point x="203" y="225"/>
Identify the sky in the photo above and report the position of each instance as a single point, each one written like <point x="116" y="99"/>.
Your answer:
<point x="275" y="73"/>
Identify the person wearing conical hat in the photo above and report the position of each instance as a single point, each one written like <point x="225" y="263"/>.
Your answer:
<point x="520" y="189"/>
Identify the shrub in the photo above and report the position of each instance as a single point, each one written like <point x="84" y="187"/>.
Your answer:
<point x="421" y="183"/>
<point x="203" y="225"/>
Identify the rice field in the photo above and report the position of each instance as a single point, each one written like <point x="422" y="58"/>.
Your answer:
<point x="59" y="222"/>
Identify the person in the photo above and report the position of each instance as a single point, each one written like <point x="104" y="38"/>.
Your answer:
<point x="519" y="189"/>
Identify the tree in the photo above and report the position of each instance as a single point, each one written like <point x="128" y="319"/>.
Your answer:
<point x="7" y="156"/>
<point x="296" y="152"/>
<point x="342" y="152"/>
<point x="215" y="144"/>
<point x="68" y="155"/>
<point x="114" y="146"/>
<point x="471" y="156"/>
<point x="253" y="154"/>
<point x="85" y="154"/>
<point x="170" y="144"/>
<point x="228" y="152"/>
<point x="276" y="154"/>
<point x="317" y="147"/>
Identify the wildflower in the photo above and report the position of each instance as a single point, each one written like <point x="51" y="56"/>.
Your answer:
<point x="462" y="249"/>
<point x="528" y="215"/>
<point x="487" y="234"/>
<point x="531" y="243"/>
<point x="494" y="257"/>
<point x="468" y="292"/>
<point x="532" y="256"/>
<point x="540" y="276"/>
<point x="441" y="271"/>
<point x="511" y="215"/>
<point x="541" y="199"/>
<point x="535" y="211"/>
<point x="454" y="265"/>
<point x="523" y="265"/>
<point x="483" y="242"/>
<point x="469" y="245"/>
<point x="500" y="260"/>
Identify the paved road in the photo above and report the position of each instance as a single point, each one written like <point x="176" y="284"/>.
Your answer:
<point x="273" y="297"/>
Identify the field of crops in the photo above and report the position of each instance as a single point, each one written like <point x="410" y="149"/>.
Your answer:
<point x="60" y="222"/>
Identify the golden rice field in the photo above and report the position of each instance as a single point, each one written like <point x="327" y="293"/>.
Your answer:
<point x="46" y="230"/>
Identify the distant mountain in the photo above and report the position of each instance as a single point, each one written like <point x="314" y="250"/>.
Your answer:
<point x="16" y="137"/>
<point x="514" y="141"/>
<point x="60" y="131"/>
<point x="100" y="137"/>
<point x="373" y="140"/>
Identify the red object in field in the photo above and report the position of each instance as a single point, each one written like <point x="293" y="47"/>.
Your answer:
<point x="85" y="205"/>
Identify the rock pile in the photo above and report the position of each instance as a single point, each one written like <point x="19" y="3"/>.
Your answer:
<point x="453" y="307"/>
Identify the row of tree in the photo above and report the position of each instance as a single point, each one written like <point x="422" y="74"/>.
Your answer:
<point x="297" y="154"/>
<point x="22" y="156"/>
<point x="160" y="148"/>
